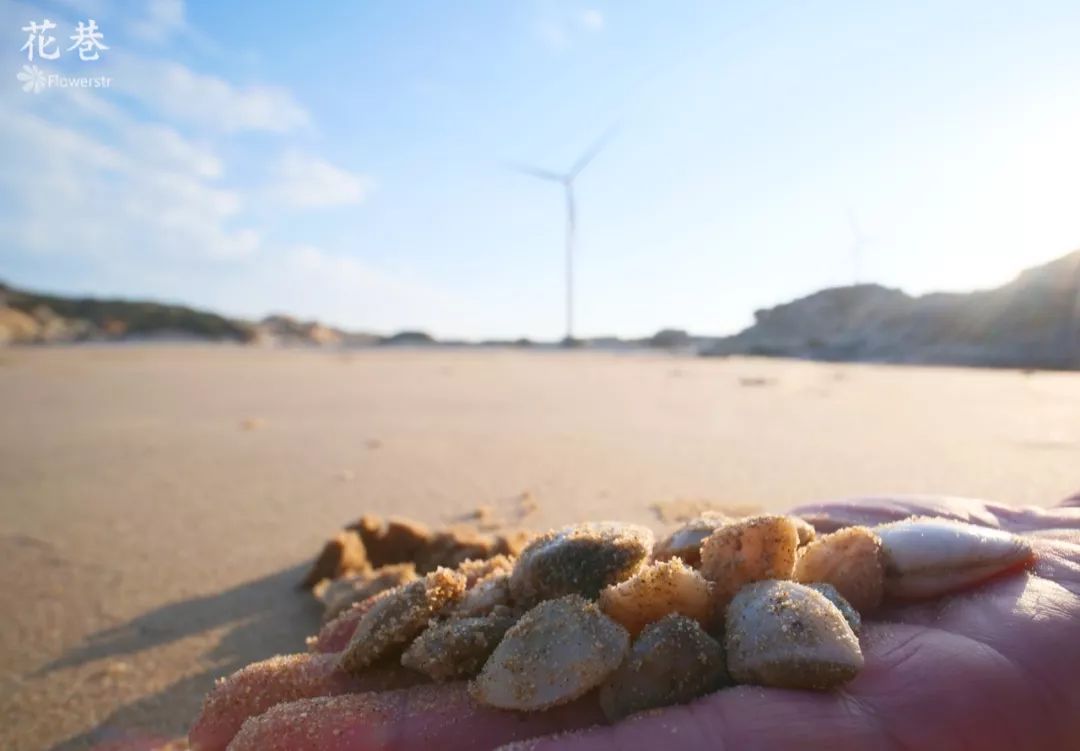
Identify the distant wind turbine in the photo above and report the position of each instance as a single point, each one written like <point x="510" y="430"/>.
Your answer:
<point x="567" y="181"/>
<point x="859" y="243"/>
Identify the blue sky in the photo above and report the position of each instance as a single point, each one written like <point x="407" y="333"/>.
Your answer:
<point x="346" y="161"/>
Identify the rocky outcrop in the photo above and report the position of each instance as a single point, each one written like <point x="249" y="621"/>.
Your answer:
<point x="1032" y="322"/>
<point x="17" y="327"/>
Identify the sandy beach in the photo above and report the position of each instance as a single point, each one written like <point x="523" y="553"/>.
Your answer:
<point x="160" y="502"/>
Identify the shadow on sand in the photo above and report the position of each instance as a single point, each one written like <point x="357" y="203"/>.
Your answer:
<point x="264" y="617"/>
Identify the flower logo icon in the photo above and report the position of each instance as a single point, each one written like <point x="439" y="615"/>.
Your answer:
<point x="32" y="77"/>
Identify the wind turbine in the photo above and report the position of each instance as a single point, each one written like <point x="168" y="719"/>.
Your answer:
<point x="859" y="243"/>
<point x="566" y="179"/>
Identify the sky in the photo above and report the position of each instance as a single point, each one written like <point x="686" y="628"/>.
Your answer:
<point x="350" y="161"/>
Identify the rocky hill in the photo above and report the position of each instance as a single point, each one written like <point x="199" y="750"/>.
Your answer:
<point x="1031" y="322"/>
<point x="35" y="317"/>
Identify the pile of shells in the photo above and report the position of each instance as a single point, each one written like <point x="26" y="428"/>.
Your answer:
<point x="373" y="555"/>
<point x="763" y="600"/>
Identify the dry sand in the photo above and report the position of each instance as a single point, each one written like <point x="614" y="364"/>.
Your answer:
<point x="157" y="504"/>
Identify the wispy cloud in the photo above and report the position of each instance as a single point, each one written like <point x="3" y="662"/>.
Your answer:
<point x="558" y="31"/>
<point x="144" y="188"/>
<point x="77" y="196"/>
<point x="309" y="182"/>
<point x="592" y="19"/>
<point x="179" y="93"/>
<point x="162" y="19"/>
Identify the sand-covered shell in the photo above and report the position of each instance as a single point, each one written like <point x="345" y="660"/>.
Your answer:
<point x="457" y="648"/>
<point x="399" y="616"/>
<point x="851" y="560"/>
<point x="749" y="550"/>
<point x="555" y="653"/>
<point x="685" y="541"/>
<point x="580" y="559"/>
<point x="787" y="635"/>
<point x="655" y="591"/>
<point x="488" y="594"/>
<point x="341" y="594"/>
<point x="673" y="661"/>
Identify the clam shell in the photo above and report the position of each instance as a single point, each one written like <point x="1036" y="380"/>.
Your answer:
<point x="850" y="560"/>
<point x="787" y="635"/>
<point x="343" y="593"/>
<point x="673" y="661"/>
<point x="753" y="549"/>
<point x="399" y="615"/>
<point x="555" y="653"/>
<point x="581" y="559"/>
<point x="456" y="648"/>
<point x="655" y="591"/>
<point x="685" y="542"/>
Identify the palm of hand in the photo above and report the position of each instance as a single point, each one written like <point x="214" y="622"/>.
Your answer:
<point x="993" y="668"/>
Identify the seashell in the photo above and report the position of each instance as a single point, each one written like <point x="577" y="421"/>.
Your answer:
<point x="491" y="592"/>
<point x="927" y="557"/>
<point x="555" y="653"/>
<point x="655" y="591"/>
<point x="849" y="559"/>
<point x="673" y="661"/>
<point x="787" y="635"/>
<point x="580" y="559"/>
<point x="341" y="594"/>
<point x="685" y="542"/>
<point x="399" y="615"/>
<point x="749" y="550"/>
<point x="456" y="648"/>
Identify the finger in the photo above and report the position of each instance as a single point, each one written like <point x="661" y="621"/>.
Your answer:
<point x="261" y="685"/>
<point x="432" y="716"/>
<point x="1073" y="500"/>
<point x="830" y="516"/>
<point x="916" y="691"/>
<point x="871" y="511"/>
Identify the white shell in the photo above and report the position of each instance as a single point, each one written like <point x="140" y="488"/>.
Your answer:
<point x="787" y="635"/>
<point x="926" y="557"/>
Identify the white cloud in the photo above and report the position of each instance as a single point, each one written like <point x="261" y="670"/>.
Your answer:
<point x="308" y="182"/>
<point x="151" y="143"/>
<point x="162" y="19"/>
<point x="554" y="35"/>
<point x="72" y="195"/>
<point x="557" y="32"/>
<point x="592" y="19"/>
<point x="179" y="93"/>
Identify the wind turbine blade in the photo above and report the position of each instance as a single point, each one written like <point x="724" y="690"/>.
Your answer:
<point x="543" y="174"/>
<point x="592" y="151"/>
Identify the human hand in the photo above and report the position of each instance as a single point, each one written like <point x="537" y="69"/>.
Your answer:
<point x="992" y="668"/>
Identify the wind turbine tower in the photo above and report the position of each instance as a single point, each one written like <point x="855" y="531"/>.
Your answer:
<point x="567" y="179"/>
<point x="858" y="247"/>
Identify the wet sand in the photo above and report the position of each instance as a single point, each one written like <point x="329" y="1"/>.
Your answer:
<point x="157" y="504"/>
